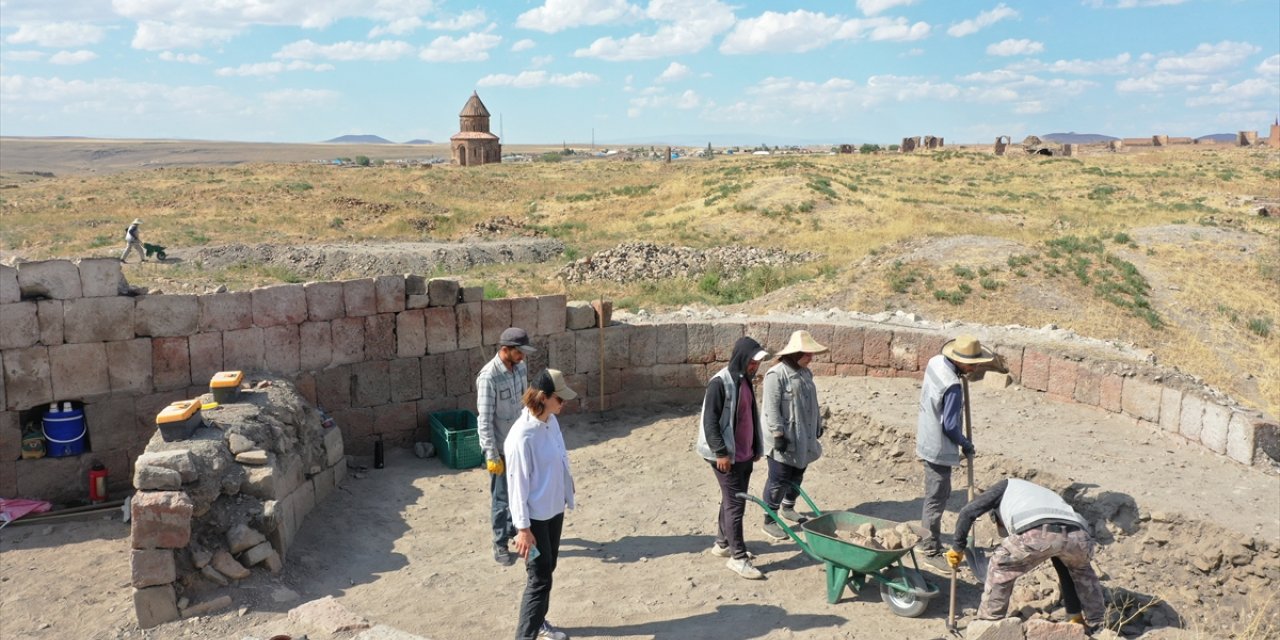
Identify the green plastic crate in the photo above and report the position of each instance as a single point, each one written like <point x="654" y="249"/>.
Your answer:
<point x="456" y="440"/>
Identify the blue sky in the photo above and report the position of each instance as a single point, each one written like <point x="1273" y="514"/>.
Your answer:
<point x="554" y="70"/>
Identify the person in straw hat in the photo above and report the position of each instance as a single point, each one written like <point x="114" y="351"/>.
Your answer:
<point x="133" y="241"/>
<point x="794" y="424"/>
<point x="940" y="428"/>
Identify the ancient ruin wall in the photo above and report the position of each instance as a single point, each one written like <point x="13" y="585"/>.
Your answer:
<point x="380" y="354"/>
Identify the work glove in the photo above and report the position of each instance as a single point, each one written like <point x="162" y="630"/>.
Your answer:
<point x="495" y="467"/>
<point x="954" y="558"/>
<point x="967" y="448"/>
<point x="780" y="443"/>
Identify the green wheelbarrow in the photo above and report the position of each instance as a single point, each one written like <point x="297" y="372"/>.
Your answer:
<point x="903" y="588"/>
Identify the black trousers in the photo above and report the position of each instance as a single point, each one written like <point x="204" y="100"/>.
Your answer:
<point x="537" y="587"/>
<point x="729" y="525"/>
<point x="781" y="487"/>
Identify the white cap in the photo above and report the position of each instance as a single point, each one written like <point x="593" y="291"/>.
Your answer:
<point x="760" y="355"/>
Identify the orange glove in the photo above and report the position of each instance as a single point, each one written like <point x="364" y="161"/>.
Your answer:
<point x="495" y="467"/>
<point x="954" y="558"/>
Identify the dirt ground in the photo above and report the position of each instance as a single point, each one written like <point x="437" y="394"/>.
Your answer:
<point x="407" y="546"/>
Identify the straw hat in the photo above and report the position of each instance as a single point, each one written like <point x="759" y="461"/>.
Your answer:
<point x="967" y="350"/>
<point x="802" y="342"/>
<point x="137" y="221"/>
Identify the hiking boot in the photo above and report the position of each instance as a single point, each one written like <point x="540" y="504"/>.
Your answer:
<point x="773" y="530"/>
<point x="930" y="548"/>
<point x="551" y="633"/>
<point x="790" y="514"/>
<point x="502" y="556"/>
<point x="742" y="567"/>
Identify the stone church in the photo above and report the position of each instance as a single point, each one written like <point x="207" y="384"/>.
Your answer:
<point x="474" y="145"/>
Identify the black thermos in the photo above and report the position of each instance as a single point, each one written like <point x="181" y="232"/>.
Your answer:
<point x="378" y="461"/>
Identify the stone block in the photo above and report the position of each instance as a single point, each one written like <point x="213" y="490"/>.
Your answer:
<point x="851" y="370"/>
<point x="587" y="350"/>
<point x="97" y="319"/>
<point x="279" y="304"/>
<point x="242" y="349"/>
<point x="370" y="384"/>
<point x="26" y="377"/>
<point x="9" y="291"/>
<point x="727" y="333"/>
<point x="179" y="461"/>
<point x="228" y="566"/>
<point x="458" y="373"/>
<point x="617" y="345"/>
<point x="333" y="449"/>
<point x="100" y="277"/>
<point x="111" y="421"/>
<point x="1141" y="399"/>
<point x="380" y="336"/>
<point x="636" y="379"/>
<point x="495" y="317"/>
<point x="442" y="329"/>
<point x="930" y="346"/>
<point x="778" y="336"/>
<point x="678" y="376"/>
<point x="562" y="351"/>
<point x="434" y="382"/>
<point x="1266" y="439"/>
<point x="823" y="334"/>
<point x="414" y="285"/>
<point x="823" y="368"/>
<point x="1011" y="355"/>
<point x="155" y="606"/>
<point x="468" y="317"/>
<point x="1170" y="409"/>
<point x="226" y="311"/>
<point x="1217" y="421"/>
<point x="995" y="381"/>
<point x="846" y="345"/>
<point x="579" y="315"/>
<point x="471" y="294"/>
<point x="1063" y="375"/>
<point x="406" y="379"/>
<point x="149" y="478"/>
<point x="160" y="520"/>
<point x="643" y="350"/>
<point x="417" y="301"/>
<point x="388" y="292"/>
<point x="257" y="553"/>
<point x="243" y="537"/>
<point x="165" y="315"/>
<point x="1005" y="629"/>
<point x="551" y="315"/>
<point x="398" y="419"/>
<point x="333" y="388"/>
<point x="151" y="567"/>
<point x="348" y="340"/>
<point x="19" y="325"/>
<point x="1110" y="388"/>
<point x="1035" y="370"/>
<point x="875" y="348"/>
<point x="56" y="279"/>
<point x="524" y="314"/>
<point x="442" y="292"/>
<point x="281" y="346"/>
<point x="322" y="482"/>
<point x="1047" y="630"/>
<point x="411" y="333"/>
<point x="904" y="351"/>
<point x="207" y="607"/>
<point x="205" y="350"/>
<point x="360" y="297"/>
<point x="49" y="317"/>
<point x="671" y="343"/>
<point x="315" y="346"/>
<point x="324" y="300"/>
<point x="700" y="341"/>
<point x="1241" y="437"/>
<point x="357" y="429"/>
<point x="171" y="363"/>
<point x="1088" y="386"/>
<point x="79" y="370"/>
<point x="1191" y="418"/>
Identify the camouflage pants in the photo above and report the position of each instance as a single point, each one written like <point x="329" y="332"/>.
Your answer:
<point x="1022" y="552"/>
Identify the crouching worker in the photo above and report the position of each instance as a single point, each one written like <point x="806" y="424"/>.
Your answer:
<point x="1038" y="525"/>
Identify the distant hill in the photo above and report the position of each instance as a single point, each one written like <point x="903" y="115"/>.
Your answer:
<point x="361" y="139"/>
<point x="419" y="141"/>
<point x="1218" y="137"/>
<point x="1076" y="138"/>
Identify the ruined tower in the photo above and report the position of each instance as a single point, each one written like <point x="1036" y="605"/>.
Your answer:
<point x="473" y="144"/>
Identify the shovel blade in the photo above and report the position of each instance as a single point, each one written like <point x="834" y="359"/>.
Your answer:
<point x="978" y="561"/>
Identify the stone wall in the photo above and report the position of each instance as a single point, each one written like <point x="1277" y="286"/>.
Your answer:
<point x="381" y="354"/>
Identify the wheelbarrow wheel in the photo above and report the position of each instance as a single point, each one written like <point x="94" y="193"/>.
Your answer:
<point x="907" y="605"/>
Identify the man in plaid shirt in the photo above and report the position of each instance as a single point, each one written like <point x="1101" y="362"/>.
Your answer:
<point x="499" y="388"/>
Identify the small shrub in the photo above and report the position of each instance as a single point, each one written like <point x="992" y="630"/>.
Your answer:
<point x="963" y="272"/>
<point x="1260" y="326"/>
<point x="336" y="222"/>
<point x="493" y="292"/>
<point x="1121" y="238"/>
<point x="989" y="284"/>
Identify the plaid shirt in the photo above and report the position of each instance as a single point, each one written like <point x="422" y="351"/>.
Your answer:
<point x="498" y="403"/>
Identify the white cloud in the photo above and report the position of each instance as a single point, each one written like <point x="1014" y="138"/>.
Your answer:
<point x="272" y="68"/>
<point x="1209" y="58"/>
<point x="1107" y="66"/>
<point x="1161" y="81"/>
<point x="539" y="78"/>
<point x="674" y="73"/>
<point x="911" y="53"/>
<point x="1193" y="71"/>
<point x="689" y="26"/>
<point x="800" y="31"/>
<point x="1030" y="107"/>
<point x="982" y="21"/>
<point x="398" y="27"/>
<point x="409" y="24"/>
<point x="29" y="55"/>
<point x="1130" y="4"/>
<point x="57" y="34"/>
<point x="299" y="98"/>
<point x="541" y="61"/>
<point x="472" y="47"/>
<point x="1012" y="47"/>
<point x="898" y="30"/>
<point x="156" y="36"/>
<point x="349" y="50"/>
<point x="872" y="7"/>
<point x="237" y="14"/>
<point x="685" y="101"/>
<point x="189" y="58"/>
<point x="1270" y="67"/>
<point x="523" y="45"/>
<point x="108" y="97"/>
<point x="72" y="57"/>
<point x="557" y="15"/>
<point x="1224" y="93"/>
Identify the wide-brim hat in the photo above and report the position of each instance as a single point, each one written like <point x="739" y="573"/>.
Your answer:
<point x="801" y="342"/>
<point x="967" y="350"/>
<point x="551" y="381"/>
<point x="137" y="221"/>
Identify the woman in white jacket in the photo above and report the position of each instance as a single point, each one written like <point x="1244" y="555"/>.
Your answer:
<point x="793" y="421"/>
<point x="540" y="487"/>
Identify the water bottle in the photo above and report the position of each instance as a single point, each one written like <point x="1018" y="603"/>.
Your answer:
<point x="378" y="453"/>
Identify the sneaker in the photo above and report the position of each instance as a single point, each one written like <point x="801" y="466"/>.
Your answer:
<point x="551" y="633"/>
<point x="790" y="514"/>
<point x="773" y="530"/>
<point x="719" y="551"/>
<point x="930" y="548"/>
<point x="743" y="568"/>
<point x="502" y="556"/>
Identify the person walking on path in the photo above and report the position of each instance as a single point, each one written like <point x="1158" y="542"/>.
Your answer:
<point x="541" y="485"/>
<point x="940" y="429"/>
<point x="731" y="440"/>
<point x="499" y="388"/>
<point x="133" y="241"/>
<point x="794" y="423"/>
<point x="1038" y="525"/>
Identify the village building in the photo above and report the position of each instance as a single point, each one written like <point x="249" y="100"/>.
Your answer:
<point x="474" y="144"/>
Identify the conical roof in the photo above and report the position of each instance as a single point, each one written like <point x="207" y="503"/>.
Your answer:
<point x="474" y="107"/>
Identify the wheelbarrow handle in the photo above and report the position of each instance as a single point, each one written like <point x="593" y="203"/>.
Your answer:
<point x="816" y="511"/>
<point x="778" y="519"/>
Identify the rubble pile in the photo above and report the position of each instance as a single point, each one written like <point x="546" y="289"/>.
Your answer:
<point x="503" y="226"/>
<point x="866" y="535"/>
<point x="635" y="261"/>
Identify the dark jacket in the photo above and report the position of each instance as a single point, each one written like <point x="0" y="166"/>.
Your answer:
<point x="714" y="421"/>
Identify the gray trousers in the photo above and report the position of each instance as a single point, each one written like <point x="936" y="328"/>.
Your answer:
<point x="937" y="490"/>
<point x="134" y="245"/>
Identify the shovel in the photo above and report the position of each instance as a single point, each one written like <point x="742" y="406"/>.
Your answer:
<point x="976" y="559"/>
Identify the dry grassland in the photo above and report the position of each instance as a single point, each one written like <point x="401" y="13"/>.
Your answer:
<point x="1161" y="248"/>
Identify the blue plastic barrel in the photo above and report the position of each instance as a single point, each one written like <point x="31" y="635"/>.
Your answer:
<point x="64" y="433"/>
